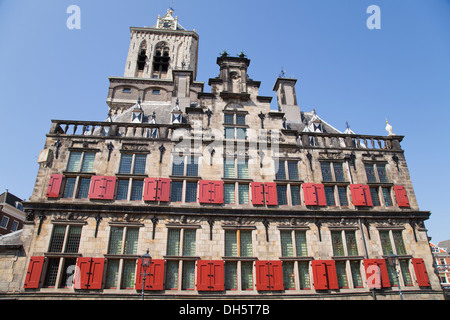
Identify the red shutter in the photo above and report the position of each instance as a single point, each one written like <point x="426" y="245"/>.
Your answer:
<point x="270" y="189"/>
<point x="367" y="195"/>
<point x="83" y="271"/>
<point x="109" y="188"/>
<point x="310" y="194"/>
<point x="89" y="274"/>
<point x="203" y="275"/>
<point x="332" y="275"/>
<point x="262" y="275"/>
<point x="257" y="193"/>
<point x="54" y="185"/>
<point x="401" y="196"/>
<point x="376" y="273"/>
<point x="164" y="190"/>
<point x="34" y="272"/>
<point x="154" y="279"/>
<point x="320" y="192"/>
<point x="204" y="191"/>
<point x="421" y="272"/>
<point x="276" y="275"/>
<point x="217" y="275"/>
<point x="102" y="188"/>
<point x="358" y="197"/>
<point x="319" y="274"/>
<point x="216" y="192"/>
<point x="150" y="189"/>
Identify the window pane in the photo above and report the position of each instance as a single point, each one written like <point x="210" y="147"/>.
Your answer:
<point x="140" y="161"/>
<point x="69" y="267"/>
<point x="326" y="171"/>
<point x="288" y="275"/>
<point x="242" y="167"/>
<point x="229" y="133"/>
<point x="88" y="162"/>
<point x="229" y="118"/>
<point x="356" y="274"/>
<point x="342" y="191"/>
<point x="52" y="273"/>
<point x="191" y="192"/>
<point x="69" y="188"/>
<point x="398" y="241"/>
<point x="300" y="243"/>
<point x="173" y="242"/>
<point x="293" y="170"/>
<point x="287" y="247"/>
<point x="230" y="275"/>
<point x="329" y="195"/>
<point x="112" y="274"/>
<point x="228" y="193"/>
<point x="229" y="171"/>
<point x="128" y="276"/>
<point x="341" y="274"/>
<point x="83" y="191"/>
<point x="192" y="167"/>
<point x="177" y="191"/>
<point x="246" y="243"/>
<point x="303" y="274"/>
<point x="338" y="247"/>
<point x="188" y="279"/>
<point x="73" y="239"/>
<point x="122" y="190"/>
<point x="231" y="249"/>
<point x="189" y="242"/>
<point x="243" y="194"/>
<point x="178" y="166"/>
<point x="386" y="243"/>
<point x="392" y="275"/>
<point x="136" y="190"/>
<point x="352" y="248"/>
<point x="131" y="240"/>
<point x="241" y="133"/>
<point x="280" y="170"/>
<point x="172" y="275"/>
<point x="240" y="119"/>
<point x="370" y="172"/>
<point x="74" y="164"/>
<point x="374" y="196"/>
<point x="295" y="195"/>
<point x="247" y="275"/>
<point x="381" y="168"/>
<point x="56" y="244"/>
<point x="387" y="197"/>
<point x="125" y="163"/>
<point x="282" y="195"/>
<point x="115" y="240"/>
<point x="338" y="171"/>
<point x="405" y="273"/>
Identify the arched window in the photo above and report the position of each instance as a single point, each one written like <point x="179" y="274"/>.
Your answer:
<point x="161" y="61"/>
<point x="142" y="58"/>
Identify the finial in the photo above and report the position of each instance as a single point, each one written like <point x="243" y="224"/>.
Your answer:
<point x="283" y="73"/>
<point x="346" y="123"/>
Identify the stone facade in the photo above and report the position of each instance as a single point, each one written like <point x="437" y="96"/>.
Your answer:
<point x="159" y="121"/>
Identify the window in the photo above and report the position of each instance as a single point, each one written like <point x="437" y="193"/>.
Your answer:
<point x="241" y="237"/>
<point x="295" y="195"/>
<point x="65" y="239"/>
<point x="329" y="195"/>
<point x="236" y="168"/>
<point x="156" y="92"/>
<point x="14" y="225"/>
<point x="238" y="243"/>
<point x="342" y="192"/>
<point x="81" y="162"/>
<point x="132" y="164"/>
<point x="392" y="242"/>
<point x="291" y="173"/>
<point x="123" y="242"/>
<point x="181" y="242"/>
<point x="303" y="274"/>
<point x="243" y="194"/>
<point x="282" y="195"/>
<point x="341" y="274"/>
<point x="191" y="192"/>
<point x="293" y="243"/>
<point x="344" y="243"/>
<point x="376" y="172"/>
<point x="126" y="90"/>
<point x="235" y="133"/>
<point x="231" y="118"/>
<point x="387" y="196"/>
<point x="161" y="61"/>
<point x="229" y="193"/>
<point x="332" y="171"/>
<point x="4" y="223"/>
<point x="374" y="196"/>
<point x="185" y="166"/>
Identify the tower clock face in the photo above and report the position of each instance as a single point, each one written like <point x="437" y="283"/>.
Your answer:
<point x="167" y="24"/>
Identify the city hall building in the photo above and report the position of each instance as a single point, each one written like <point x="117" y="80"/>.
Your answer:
<point x="230" y="198"/>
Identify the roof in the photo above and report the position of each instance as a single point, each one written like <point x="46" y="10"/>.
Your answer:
<point x="9" y="198"/>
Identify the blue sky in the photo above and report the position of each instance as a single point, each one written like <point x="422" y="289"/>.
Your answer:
<point x="345" y="71"/>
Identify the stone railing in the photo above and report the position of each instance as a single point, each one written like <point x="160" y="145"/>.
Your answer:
<point x="166" y="132"/>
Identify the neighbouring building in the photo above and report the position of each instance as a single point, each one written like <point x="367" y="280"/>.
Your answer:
<point x="12" y="215"/>
<point x="442" y="263"/>
<point x="231" y="198"/>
